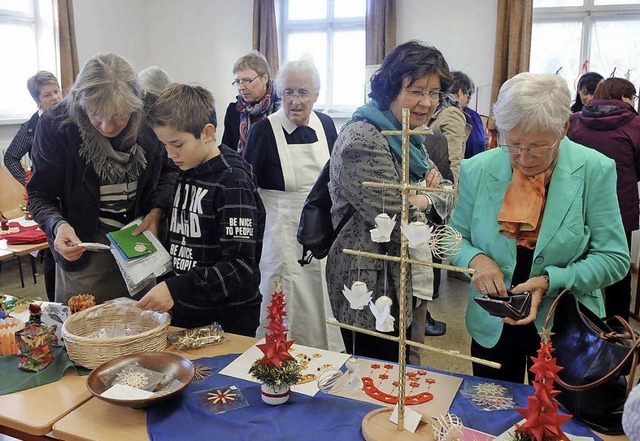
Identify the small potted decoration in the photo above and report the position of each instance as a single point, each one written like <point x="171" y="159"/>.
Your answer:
<point x="277" y="370"/>
<point x="542" y="418"/>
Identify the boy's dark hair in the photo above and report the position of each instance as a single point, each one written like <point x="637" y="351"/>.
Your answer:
<point x="412" y="60"/>
<point x="187" y="108"/>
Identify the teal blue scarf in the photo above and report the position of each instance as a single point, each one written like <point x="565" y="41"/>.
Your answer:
<point x="384" y="120"/>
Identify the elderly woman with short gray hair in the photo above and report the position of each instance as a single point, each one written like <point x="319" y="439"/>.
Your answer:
<point x="97" y="167"/>
<point x="287" y="152"/>
<point x="537" y="214"/>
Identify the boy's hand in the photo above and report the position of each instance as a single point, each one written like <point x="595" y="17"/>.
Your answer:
<point x="158" y="299"/>
<point x="150" y="222"/>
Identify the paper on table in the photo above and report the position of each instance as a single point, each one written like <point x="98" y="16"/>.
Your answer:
<point x="315" y="359"/>
<point x="411" y="418"/>
<point x="124" y="392"/>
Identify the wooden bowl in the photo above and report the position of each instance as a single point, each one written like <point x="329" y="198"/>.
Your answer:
<point x="172" y="365"/>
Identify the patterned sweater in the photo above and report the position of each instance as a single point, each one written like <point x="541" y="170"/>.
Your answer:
<point x="215" y="239"/>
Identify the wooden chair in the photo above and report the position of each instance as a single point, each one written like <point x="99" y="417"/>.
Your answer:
<point x="11" y="196"/>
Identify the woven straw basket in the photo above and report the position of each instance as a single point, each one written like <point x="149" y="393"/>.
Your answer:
<point x="92" y="352"/>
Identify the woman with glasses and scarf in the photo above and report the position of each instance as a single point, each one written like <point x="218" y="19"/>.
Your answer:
<point x="287" y="151"/>
<point x="610" y="125"/>
<point x="97" y="167"/>
<point x="256" y="100"/>
<point x="412" y="76"/>
<point x="535" y="215"/>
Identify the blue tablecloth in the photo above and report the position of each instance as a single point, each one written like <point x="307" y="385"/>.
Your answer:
<point x="302" y="418"/>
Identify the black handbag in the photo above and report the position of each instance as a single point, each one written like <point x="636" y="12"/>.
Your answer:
<point x="315" y="230"/>
<point x="596" y="359"/>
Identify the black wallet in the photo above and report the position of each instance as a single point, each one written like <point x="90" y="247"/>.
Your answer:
<point x="515" y="306"/>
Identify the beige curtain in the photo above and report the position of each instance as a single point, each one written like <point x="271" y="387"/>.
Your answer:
<point x="380" y="29"/>
<point x="265" y="34"/>
<point x="513" y="42"/>
<point x="68" y="47"/>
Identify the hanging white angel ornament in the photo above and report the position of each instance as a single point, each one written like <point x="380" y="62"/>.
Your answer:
<point x="384" y="228"/>
<point x="416" y="233"/>
<point x="358" y="295"/>
<point x="381" y="310"/>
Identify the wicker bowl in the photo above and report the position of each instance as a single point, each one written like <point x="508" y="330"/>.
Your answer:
<point x="92" y="352"/>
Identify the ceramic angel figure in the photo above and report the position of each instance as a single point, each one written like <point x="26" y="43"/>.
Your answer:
<point x="384" y="228"/>
<point x="382" y="312"/>
<point x="353" y="374"/>
<point x="416" y="233"/>
<point x="358" y="295"/>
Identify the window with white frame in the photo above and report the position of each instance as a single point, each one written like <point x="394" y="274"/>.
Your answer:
<point x="27" y="33"/>
<point x="604" y="34"/>
<point x="332" y="32"/>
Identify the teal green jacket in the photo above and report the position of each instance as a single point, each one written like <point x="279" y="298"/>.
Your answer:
<point x="581" y="245"/>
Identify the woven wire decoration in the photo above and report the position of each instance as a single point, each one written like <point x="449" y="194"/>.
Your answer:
<point x="448" y="428"/>
<point x="445" y="241"/>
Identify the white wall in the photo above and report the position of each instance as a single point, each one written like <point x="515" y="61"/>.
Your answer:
<point x="197" y="41"/>
<point x="463" y="30"/>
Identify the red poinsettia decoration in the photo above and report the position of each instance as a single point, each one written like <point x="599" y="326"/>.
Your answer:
<point x="543" y="420"/>
<point x="276" y="346"/>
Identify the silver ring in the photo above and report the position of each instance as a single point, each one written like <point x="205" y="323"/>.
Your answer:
<point x="483" y="289"/>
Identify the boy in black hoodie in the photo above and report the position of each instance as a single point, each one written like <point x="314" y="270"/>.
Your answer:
<point x="216" y="224"/>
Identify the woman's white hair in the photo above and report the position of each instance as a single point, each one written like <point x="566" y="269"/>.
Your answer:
<point x="304" y="66"/>
<point x="154" y="79"/>
<point x="533" y="102"/>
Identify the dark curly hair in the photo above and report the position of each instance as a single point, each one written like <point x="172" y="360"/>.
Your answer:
<point x="412" y="60"/>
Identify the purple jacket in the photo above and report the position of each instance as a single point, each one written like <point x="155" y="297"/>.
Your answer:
<point x="612" y="127"/>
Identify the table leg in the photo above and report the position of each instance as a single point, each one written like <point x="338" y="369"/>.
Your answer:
<point x="20" y="270"/>
<point x="34" y="271"/>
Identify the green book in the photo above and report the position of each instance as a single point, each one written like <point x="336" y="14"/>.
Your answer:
<point x="131" y="246"/>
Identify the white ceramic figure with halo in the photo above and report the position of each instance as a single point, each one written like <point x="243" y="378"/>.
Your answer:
<point x="358" y="295"/>
<point x="384" y="228"/>
<point x="416" y="233"/>
<point x="382" y="312"/>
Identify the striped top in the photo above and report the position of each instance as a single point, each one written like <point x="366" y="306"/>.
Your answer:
<point x="117" y="204"/>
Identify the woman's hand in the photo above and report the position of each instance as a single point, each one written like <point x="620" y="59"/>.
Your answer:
<point x="420" y="201"/>
<point x="433" y="178"/>
<point x="66" y="243"/>
<point x="488" y="279"/>
<point x="537" y="286"/>
<point x="150" y="222"/>
<point x="158" y="299"/>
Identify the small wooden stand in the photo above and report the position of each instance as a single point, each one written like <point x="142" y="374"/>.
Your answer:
<point x="376" y="426"/>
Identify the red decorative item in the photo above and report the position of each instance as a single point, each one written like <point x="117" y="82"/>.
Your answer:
<point x="276" y="346"/>
<point x="543" y="420"/>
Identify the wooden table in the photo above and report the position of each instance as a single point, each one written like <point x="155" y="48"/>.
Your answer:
<point x="33" y="411"/>
<point x="99" y="420"/>
<point x="24" y="249"/>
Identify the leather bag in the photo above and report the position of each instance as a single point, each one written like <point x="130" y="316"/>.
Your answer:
<point x="596" y="358"/>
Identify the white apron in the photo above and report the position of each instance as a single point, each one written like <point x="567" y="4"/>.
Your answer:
<point x="305" y="289"/>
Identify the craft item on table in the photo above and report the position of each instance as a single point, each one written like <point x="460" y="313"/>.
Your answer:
<point x="94" y="246"/>
<point x="135" y="375"/>
<point x="17" y="304"/>
<point x="221" y="399"/>
<point x="277" y="370"/>
<point x="35" y="314"/>
<point x="197" y="337"/>
<point x="55" y="315"/>
<point x="382" y="312"/>
<point x="384" y="227"/>
<point x="381" y="384"/>
<point x="416" y="233"/>
<point x="353" y="381"/>
<point x="35" y="343"/>
<point x="21" y="234"/>
<point x="358" y="295"/>
<point x="488" y="396"/>
<point x="311" y="361"/>
<point x="202" y="372"/>
<point x="445" y="241"/>
<point x="543" y="420"/>
<point x="124" y="392"/>
<point x="328" y="379"/>
<point x="8" y="328"/>
<point x="448" y="428"/>
<point x="116" y="331"/>
<point x="81" y="302"/>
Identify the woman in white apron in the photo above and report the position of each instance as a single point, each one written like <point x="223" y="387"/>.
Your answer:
<point x="288" y="151"/>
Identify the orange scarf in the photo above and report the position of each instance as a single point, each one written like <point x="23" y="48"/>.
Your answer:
<point x="521" y="213"/>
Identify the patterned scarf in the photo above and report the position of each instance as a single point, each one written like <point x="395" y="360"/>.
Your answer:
<point x="109" y="164"/>
<point x="253" y="112"/>
<point x="384" y="120"/>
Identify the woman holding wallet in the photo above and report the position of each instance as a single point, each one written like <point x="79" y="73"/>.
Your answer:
<point x="536" y="215"/>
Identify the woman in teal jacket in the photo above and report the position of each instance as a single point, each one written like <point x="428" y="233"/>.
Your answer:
<point x="538" y="214"/>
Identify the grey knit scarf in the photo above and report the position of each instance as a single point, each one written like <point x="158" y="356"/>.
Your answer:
<point x="109" y="164"/>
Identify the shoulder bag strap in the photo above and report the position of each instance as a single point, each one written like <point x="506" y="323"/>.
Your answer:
<point x="633" y="353"/>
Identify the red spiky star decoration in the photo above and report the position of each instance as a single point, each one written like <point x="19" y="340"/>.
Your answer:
<point x="276" y="346"/>
<point x="543" y="420"/>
